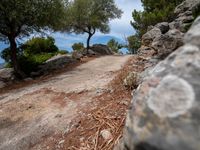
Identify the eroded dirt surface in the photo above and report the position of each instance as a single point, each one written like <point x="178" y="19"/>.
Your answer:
<point x="33" y="113"/>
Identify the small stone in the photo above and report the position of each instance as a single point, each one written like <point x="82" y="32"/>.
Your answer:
<point x="106" y="134"/>
<point x="61" y="142"/>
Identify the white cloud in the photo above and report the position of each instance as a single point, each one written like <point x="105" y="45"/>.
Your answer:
<point x="121" y="27"/>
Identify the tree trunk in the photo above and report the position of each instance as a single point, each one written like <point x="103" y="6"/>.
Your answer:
<point x="88" y="41"/>
<point x="13" y="48"/>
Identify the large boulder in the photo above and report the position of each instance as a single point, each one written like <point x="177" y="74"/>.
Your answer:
<point x="167" y="43"/>
<point x="100" y="49"/>
<point x="77" y="55"/>
<point x="6" y="76"/>
<point x="57" y="62"/>
<point x="148" y="38"/>
<point x="165" y="112"/>
<point x="53" y="63"/>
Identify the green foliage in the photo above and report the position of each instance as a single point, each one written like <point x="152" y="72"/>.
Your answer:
<point x="32" y="54"/>
<point x="114" y="45"/>
<point x="40" y="45"/>
<point x="6" y="54"/>
<point x="134" y="43"/>
<point x="78" y="46"/>
<point x="22" y="17"/>
<point x="155" y="11"/>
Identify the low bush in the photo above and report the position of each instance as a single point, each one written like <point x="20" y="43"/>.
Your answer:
<point x="78" y="46"/>
<point x="114" y="45"/>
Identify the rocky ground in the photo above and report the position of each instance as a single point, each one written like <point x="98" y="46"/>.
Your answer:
<point x="53" y="113"/>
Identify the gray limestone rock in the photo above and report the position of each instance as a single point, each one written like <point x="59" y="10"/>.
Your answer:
<point x="165" y="112"/>
<point x="167" y="43"/>
<point x="148" y="38"/>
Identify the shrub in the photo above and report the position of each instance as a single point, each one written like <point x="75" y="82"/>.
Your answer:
<point x="40" y="45"/>
<point x="114" y="45"/>
<point x="78" y="46"/>
<point x="134" y="44"/>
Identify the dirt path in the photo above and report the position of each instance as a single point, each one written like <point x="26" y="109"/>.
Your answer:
<point x="31" y="113"/>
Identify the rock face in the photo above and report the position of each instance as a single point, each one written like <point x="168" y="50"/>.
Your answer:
<point x="184" y="14"/>
<point x="163" y="26"/>
<point x="165" y="37"/>
<point x="165" y="112"/>
<point x="167" y="43"/>
<point x="148" y="38"/>
<point x="187" y="5"/>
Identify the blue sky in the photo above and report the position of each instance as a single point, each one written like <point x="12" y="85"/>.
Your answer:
<point x="120" y="28"/>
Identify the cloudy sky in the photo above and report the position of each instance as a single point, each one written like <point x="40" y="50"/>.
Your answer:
<point x="120" y="28"/>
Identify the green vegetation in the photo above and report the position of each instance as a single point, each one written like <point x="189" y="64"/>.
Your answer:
<point x="20" y="18"/>
<point x="78" y="46"/>
<point x="40" y="45"/>
<point x="88" y="16"/>
<point x="134" y="44"/>
<point x="114" y="45"/>
<point x="32" y="54"/>
<point x="155" y="11"/>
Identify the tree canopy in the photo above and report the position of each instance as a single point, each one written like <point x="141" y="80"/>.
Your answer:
<point x="19" y="18"/>
<point x="88" y="16"/>
<point x="154" y="11"/>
